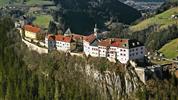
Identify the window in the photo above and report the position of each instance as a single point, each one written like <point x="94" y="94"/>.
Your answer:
<point x="141" y="52"/>
<point x="121" y="54"/>
<point x="121" y="50"/>
<point x="124" y="54"/>
<point x="133" y="44"/>
<point x="138" y="43"/>
<point x="141" y="48"/>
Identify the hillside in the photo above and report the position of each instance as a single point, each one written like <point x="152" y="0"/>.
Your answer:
<point x="27" y="2"/>
<point x="163" y="20"/>
<point x="145" y="0"/>
<point x="173" y="0"/>
<point x="170" y="50"/>
<point x="81" y="15"/>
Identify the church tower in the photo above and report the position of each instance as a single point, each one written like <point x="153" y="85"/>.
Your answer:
<point x="96" y="30"/>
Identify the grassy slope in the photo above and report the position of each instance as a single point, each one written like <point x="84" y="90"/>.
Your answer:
<point x="42" y="20"/>
<point x="38" y="2"/>
<point x="3" y="2"/>
<point x="163" y="19"/>
<point x="29" y="2"/>
<point x="173" y="0"/>
<point x="170" y="50"/>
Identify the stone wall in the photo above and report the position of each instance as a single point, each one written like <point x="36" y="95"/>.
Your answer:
<point x="36" y="48"/>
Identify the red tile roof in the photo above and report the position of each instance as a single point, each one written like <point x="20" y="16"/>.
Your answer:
<point x="105" y="43"/>
<point x="51" y="37"/>
<point x="90" y="38"/>
<point x="115" y="42"/>
<point x="77" y="37"/>
<point x="119" y="42"/>
<point x="63" y="38"/>
<point x="31" y="28"/>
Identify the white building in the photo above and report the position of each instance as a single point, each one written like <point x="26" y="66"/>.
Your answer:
<point x="58" y="42"/>
<point x="31" y="32"/>
<point x="50" y="42"/>
<point x="128" y="50"/>
<point x="121" y="49"/>
<point x="90" y="46"/>
<point x="104" y="46"/>
<point x="63" y="43"/>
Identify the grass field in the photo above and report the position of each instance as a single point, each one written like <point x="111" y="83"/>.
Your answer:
<point x="170" y="50"/>
<point x="163" y="19"/>
<point x="42" y="20"/>
<point x="28" y="2"/>
<point x="3" y="2"/>
<point x="38" y="2"/>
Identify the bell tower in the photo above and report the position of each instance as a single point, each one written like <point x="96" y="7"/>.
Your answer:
<point x="96" y="30"/>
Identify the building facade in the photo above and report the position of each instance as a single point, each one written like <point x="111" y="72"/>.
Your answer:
<point x="118" y="49"/>
<point x="31" y="32"/>
<point x="122" y="50"/>
<point x="58" y="42"/>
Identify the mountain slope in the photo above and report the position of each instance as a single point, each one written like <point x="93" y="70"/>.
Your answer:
<point x="170" y="50"/>
<point x="81" y="15"/>
<point x="163" y="20"/>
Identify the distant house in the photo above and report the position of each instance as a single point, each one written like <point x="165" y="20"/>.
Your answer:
<point x="174" y="16"/>
<point x="31" y="31"/>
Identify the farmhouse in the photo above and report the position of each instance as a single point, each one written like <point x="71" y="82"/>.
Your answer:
<point x="31" y="31"/>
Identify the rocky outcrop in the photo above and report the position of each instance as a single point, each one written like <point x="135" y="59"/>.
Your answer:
<point x="116" y="84"/>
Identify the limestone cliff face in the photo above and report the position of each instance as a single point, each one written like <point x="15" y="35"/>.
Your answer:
<point x="116" y="85"/>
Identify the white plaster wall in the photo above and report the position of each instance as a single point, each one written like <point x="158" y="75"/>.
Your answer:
<point x="114" y="50"/>
<point x="102" y="51"/>
<point x="30" y="35"/>
<point x="86" y="48"/>
<point x="94" y="52"/>
<point x="123" y="55"/>
<point x="62" y="46"/>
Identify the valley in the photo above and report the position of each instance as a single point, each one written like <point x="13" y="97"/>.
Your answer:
<point x="88" y="50"/>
